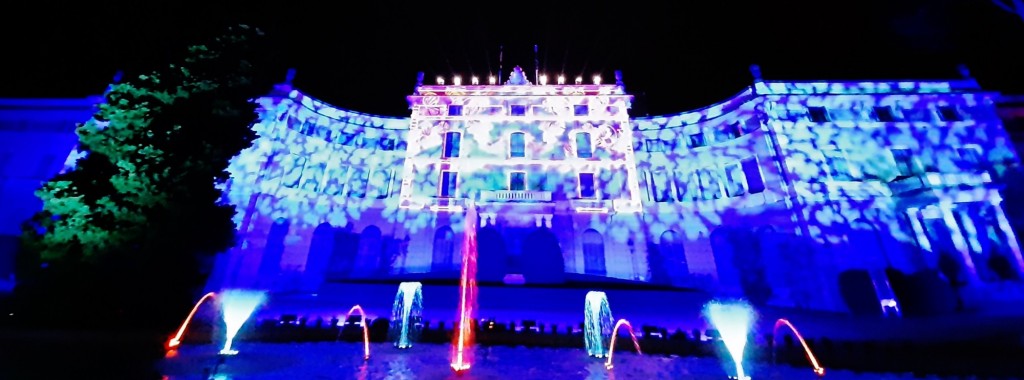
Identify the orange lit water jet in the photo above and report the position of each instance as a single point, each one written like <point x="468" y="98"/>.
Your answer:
<point x="366" y="330"/>
<point x="615" y="333"/>
<point x="461" y="347"/>
<point x="818" y="369"/>
<point x="176" y="340"/>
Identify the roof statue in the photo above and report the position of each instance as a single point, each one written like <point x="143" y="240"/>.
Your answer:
<point x="517" y="77"/>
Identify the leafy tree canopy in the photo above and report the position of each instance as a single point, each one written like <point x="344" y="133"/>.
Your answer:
<point x="155" y="158"/>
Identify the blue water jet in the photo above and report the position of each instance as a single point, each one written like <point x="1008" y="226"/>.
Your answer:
<point x="597" y="324"/>
<point x="733" y="321"/>
<point x="237" y="305"/>
<point x="407" y="314"/>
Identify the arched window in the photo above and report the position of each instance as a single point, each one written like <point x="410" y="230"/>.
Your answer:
<point x="583" y="149"/>
<point x="452" y="141"/>
<point x="517" y="144"/>
<point x="370" y="249"/>
<point x="593" y="253"/>
<point x="673" y="254"/>
<point x="444" y="249"/>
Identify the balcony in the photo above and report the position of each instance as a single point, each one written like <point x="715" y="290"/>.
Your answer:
<point x="515" y="196"/>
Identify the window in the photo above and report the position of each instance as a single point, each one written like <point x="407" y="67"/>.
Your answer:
<point x="710" y="188"/>
<point x="752" y="173"/>
<point x="735" y="181"/>
<point x="950" y="113"/>
<point x="517" y="144"/>
<point x="357" y="188"/>
<point x="580" y="110"/>
<point x="307" y="128"/>
<point x="661" y="188"/>
<point x="380" y="183"/>
<point x="517" y="110"/>
<point x="292" y="165"/>
<point x="336" y="180"/>
<point x="751" y="125"/>
<point x="837" y="165"/>
<point x="818" y="114"/>
<point x="696" y="140"/>
<point x="517" y="181"/>
<point x="655" y="145"/>
<point x="884" y="114"/>
<point x="970" y="158"/>
<point x="583" y="145"/>
<point x="387" y="144"/>
<point x="587" y="189"/>
<point x="448" y="184"/>
<point x="906" y="165"/>
<point x="452" y="140"/>
<point x="687" y="187"/>
<point x="312" y="175"/>
<point x="454" y="110"/>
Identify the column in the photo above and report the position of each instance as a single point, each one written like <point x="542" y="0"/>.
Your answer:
<point x="958" y="241"/>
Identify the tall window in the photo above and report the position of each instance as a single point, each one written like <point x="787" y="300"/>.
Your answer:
<point x="583" y="149"/>
<point x="292" y="165"/>
<point x="696" y="140"/>
<point x="837" y="165"/>
<point x="517" y="110"/>
<point x="517" y="144"/>
<point x="661" y="188"/>
<point x="380" y="183"/>
<point x="593" y="253"/>
<point x="950" y="113"/>
<point x="884" y="114"/>
<point x="448" y="184"/>
<point x="580" y="110"/>
<point x="587" y="189"/>
<point x="360" y="177"/>
<point x="752" y="173"/>
<point x="969" y="158"/>
<point x="454" y="110"/>
<point x="735" y="183"/>
<point x="906" y="165"/>
<point x="710" y="185"/>
<point x="517" y="181"/>
<point x="452" y="140"/>
<point x="818" y="114"/>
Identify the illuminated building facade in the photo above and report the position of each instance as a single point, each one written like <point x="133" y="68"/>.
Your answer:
<point x="825" y="195"/>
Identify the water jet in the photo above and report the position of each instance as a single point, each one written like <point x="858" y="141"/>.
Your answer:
<point x="236" y="306"/>
<point x="733" y="322"/>
<point x="407" y="314"/>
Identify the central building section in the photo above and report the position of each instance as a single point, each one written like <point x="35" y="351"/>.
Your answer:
<point x="550" y="168"/>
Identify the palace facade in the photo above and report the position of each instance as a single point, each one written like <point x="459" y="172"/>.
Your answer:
<point x="841" y="196"/>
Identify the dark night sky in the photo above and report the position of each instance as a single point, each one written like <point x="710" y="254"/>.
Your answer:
<point x="673" y="57"/>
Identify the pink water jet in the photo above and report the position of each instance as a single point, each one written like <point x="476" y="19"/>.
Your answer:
<point x="366" y="330"/>
<point x="818" y="369"/>
<point x="462" y="345"/>
<point x="615" y="333"/>
<point x="176" y="339"/>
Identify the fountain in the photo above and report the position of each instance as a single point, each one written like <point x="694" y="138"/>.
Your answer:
<point x="818" y="369"/>
<point x="463" y="342"/>
<point x="408" y="308"/>
<point x="176" y="340"/>
<point x="733" y="321"/>
<point x="597" y="317"/>
<point x="237" y="305"/>
<point x="366" y="329"/>
<point x="615" y="332"/>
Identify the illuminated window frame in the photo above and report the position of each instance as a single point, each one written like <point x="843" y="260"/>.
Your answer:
<point x="979" y="156"/>
<point x="576" y="148"/>
<point x="851" y="169"/>
<point x="445" y="154"/>
<point x="442" y="184"/>
<point x="525" y="180"/>
<point x="744" y="185"/>
<point x="511" y="146"/>
<point x="950" y="113"/>
<point x="593" y="185"/>
<point x="818" y="114"/>
<point x="917" y="167"/>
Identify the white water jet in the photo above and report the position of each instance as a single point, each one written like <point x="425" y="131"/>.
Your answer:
<point x="407" y="314"/>
<point x="237" y="305"/>
<point x="597" y="324"/>
<point x="733" y="321"/>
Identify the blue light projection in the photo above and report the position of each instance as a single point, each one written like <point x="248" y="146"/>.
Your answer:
<point x="826" y="195"/>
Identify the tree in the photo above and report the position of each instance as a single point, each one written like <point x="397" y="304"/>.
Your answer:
<point x="128" y="230"/>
